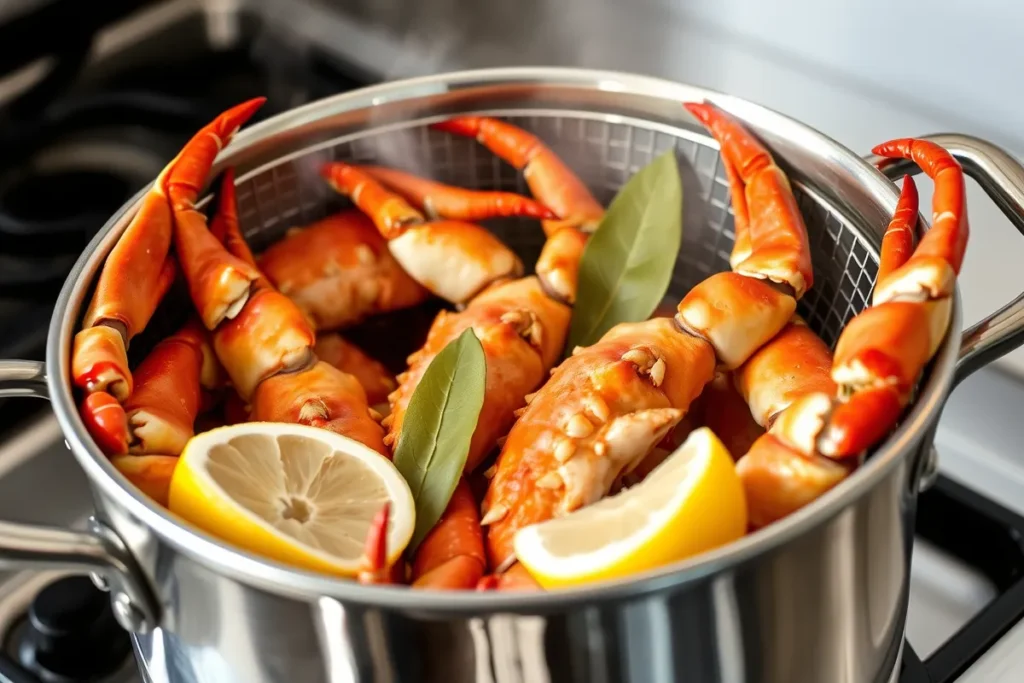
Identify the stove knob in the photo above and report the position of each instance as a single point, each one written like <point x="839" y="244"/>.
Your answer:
<point x="71" y="635"/>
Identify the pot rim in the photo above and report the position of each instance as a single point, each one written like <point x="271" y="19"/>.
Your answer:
<point x="284" y="580"/>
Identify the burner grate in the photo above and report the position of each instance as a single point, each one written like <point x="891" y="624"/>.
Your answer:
<point x="988" y="537"/>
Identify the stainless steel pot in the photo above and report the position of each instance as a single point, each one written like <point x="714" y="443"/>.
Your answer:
<point x="820" y="596"/>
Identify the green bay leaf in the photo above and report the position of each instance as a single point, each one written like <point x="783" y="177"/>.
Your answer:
<point x="627" y="264"/>
<point x="438" y="426"/>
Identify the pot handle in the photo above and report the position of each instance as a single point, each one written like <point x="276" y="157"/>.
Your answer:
<point x="1002" y="178"/>
<point x="98" y="551"/>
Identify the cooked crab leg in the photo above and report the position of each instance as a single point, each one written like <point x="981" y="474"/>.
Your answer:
<point x="521" y="331"/>
<point x="879" y="356"/>
<point x="453" y="259"/>
<point x="598" y="416"/>
<point x="550" y="180"/>
<point x="741" y="216"/>
<point x="445" y="201"/>
<point x="331" y="348"/>
<point x="795" y="364"/>
<point x="554" y="185"/>
<point x="339" y="271"/>
<point x="375" y="555"/>
<point x="520" y="327"/>
<point x="139" y="269"/>
<point x="376" y="379"/>
<point x="898" y="241"/>
<point x="266" y="343"/>
<point x="163" y="408"/>
<point x="144" y="437"/>
<point x="452" y="554"/>
<point x="608" y="405"/>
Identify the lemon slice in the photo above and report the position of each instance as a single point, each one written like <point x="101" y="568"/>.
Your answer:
<point x="296" y="494"/>
<point x="690" y="503"/>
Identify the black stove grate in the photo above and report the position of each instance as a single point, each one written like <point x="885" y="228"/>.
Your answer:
<point x="989" y="538"/>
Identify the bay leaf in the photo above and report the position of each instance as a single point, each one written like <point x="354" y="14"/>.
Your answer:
<point x="627" y="264"/>
<point x="434" y="441"/>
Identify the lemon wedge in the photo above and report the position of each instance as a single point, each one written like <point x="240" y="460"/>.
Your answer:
<point x="296" y="494"/>
<point x="690" y="503"/>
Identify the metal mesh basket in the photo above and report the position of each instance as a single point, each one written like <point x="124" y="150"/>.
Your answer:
<point x="605" y="153"/>
<point x="605" y="126"/>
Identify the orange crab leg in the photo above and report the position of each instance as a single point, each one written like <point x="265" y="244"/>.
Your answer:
<point x="779" y="480"/>
<point x="605" y="408"/>
<point x="339" y="271"/>
<point x="158" y="418"/>
<point x="451" y="557"/>
<point x="453" y="259"/>
<point x="376" y="379"/>
<point x="332" y="348"/>
<point x="267" y="350"/>
<point x="522" y="332"/>
<point x="554" y="184"/>
<point x="99" y="361"/>
<point x="599" y="415"/>
<point x="163" y="409"/>
<point x="445" y="201"/>
<point x="550" y="180"/>
<point x="224" y="225"/>
<point x="796" y="362"/>
<point x="778" y="236"/>
<point x="106" y="422"/>
<point x="269" y="333"/>
<point x="946" y="240"/>
<point x="790" y="388"/>
<point x="741" y="248"/>
<point x="879" y="356"/>
<point x="885" y="348"/>
<point x="375" y="555"/>
<point x="898" y="241"/>
<point x="139" y="271"/>
<point x="320" y="396"/>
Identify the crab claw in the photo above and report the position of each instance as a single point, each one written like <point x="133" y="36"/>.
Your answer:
<point x="451" y="556"/>
<point x="777" y="234"/>
<point x="452" y="259"/>
<point x="218" y="282"/>
<point x="898" y="241"/>
<point x="375" y="554"/>
<point x="445" y="201"/>
<point x="550" y="180"/>
<point x="106" y="422"/>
